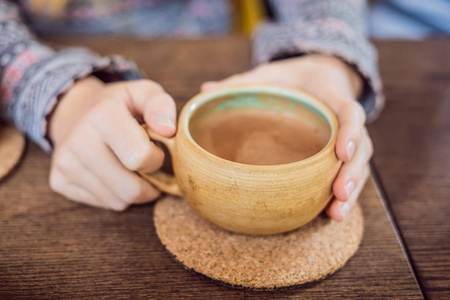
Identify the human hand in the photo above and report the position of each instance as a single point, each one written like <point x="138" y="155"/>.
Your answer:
<point x="99" y="142"/>
<point x="337" y="85"/>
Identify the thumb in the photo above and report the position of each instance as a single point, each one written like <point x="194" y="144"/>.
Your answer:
<point x="160" y="114"/>
<point x="148" y="99"/>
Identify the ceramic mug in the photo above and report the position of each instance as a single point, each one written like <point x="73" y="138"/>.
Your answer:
<point x="250" y="199"/>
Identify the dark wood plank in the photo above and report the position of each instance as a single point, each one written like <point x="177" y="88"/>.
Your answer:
<point x="412" y="147"/>
<point x="52" y="247"/>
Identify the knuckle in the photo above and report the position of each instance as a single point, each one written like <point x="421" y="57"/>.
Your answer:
<point x="133" y="193"/>
<point x="64" y="160"/>
<point x="98" y="113"/>
<point x="56" y="181"/>
<point x="148" y="85"/>
<point x="235" y="79"/>
<point x="138" y="157"/>
<point x="161" y="100"/>
<point x="72" y="145"/>
<point x="120" y="206"/>
<point x="166" y="98"/>
<point x="359" y="112"/>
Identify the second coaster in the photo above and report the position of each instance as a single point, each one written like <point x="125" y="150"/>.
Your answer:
<point x="12" y="145"/>
<point x="307" y="254"/>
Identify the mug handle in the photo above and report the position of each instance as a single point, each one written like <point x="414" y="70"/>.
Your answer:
<point x="161" y="180"/>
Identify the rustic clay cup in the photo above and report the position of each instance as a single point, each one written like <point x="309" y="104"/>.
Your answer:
<point x="250" y="199"/>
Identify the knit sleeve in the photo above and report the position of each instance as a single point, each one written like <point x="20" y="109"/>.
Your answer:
<point x="33" y="76"/>
<point x="323" y="26"/>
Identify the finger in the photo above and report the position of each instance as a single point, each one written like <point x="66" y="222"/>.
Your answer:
<point x="104" y="196"/>
<point x="338" y="210"/>
<point x="160" y="114"/>
<point x="100" y="160"/>
<point x="351" y="119"/>
<point x="350" y="173"/>
<point x="148" y="99"/>
<point x="246" y="78"/>
<point x="75" y="173"/>
<point x="209" y="85"/>
<point x="80" y="195"/>
<point x="118" y="129"/>
<point x="61" y="186"/>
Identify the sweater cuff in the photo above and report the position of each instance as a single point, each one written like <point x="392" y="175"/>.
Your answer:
<point x="36" y="94"/>
<point x="274" y="41"/>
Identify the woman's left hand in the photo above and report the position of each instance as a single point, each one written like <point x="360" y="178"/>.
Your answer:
<point x="337" y="85"/>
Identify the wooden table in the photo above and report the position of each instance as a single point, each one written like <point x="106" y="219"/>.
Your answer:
<point x="52" y="247"/>
<point x="412" y="154"/>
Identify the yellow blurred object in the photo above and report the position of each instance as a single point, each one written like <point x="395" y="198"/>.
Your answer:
<point x="51" y="8"/>
<point x="249" y="13"/>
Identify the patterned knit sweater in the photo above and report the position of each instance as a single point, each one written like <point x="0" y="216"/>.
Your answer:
<point x="32" y="75"/>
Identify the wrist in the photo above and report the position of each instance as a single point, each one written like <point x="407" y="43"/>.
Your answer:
<point x="71" y="107"/>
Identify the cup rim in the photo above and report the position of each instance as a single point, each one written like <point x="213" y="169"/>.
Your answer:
<point x="202" y="98"/>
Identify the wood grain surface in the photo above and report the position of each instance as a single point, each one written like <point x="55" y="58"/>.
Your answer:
<point x="51" y="247"/>
<point x="412" y="153"/>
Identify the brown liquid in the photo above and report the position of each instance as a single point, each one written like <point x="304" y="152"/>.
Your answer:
<point x="258" y="136"/>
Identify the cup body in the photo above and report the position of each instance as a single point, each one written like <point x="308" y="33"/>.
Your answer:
<point x="254" y="199"/>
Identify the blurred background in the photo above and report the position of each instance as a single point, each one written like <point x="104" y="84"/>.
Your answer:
<point x="409" y="19"/>
<point x="389" y="19"/>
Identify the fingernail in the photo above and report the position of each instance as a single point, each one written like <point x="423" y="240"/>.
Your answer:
<point x="345" y="208"/>
<point x="349" y="187"/>
<point x="350" y="148"/>
<point x="165" y="120"/>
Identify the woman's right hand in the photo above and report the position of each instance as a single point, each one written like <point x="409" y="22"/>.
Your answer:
<point x="99" y="143"/>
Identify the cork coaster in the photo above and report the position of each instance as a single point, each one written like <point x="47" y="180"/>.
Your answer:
<point x="12" y="145"/>
<point x="307" y="254"/>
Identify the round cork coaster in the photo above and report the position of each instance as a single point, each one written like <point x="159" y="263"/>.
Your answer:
<point x="307" y="254"/>
<point x="12" y="145"/>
